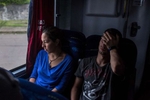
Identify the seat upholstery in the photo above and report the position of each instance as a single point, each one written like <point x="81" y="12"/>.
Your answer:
<point x="74" y="45"/>
<point x="91" y="46"/>
<point x="129" y="55"/>
<point x="129" y="52"/>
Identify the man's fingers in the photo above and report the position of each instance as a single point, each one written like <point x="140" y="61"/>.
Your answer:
<point x="105" y="35"/>
<point x="108" y="35"/>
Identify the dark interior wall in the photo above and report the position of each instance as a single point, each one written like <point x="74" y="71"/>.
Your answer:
<point x="71" y="14"/>
<point x="74" y="16"/>
<point x="140" y="14"/>
<point x="77" y="15"/>
<point x="64" y="11"/>
<point x="97" y="23"/>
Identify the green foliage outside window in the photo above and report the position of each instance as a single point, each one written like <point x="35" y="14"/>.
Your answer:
<point x="16" y="22"/>
<point x="6" y="2"/>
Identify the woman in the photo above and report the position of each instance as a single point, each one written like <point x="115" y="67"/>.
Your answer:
<point x="51" y="73"/>
<point x="53" y="67"/>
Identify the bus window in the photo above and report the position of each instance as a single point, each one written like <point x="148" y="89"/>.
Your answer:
<point x="13" y="33"/>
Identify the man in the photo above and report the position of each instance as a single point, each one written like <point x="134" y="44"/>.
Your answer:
<point x="99" y="75"/>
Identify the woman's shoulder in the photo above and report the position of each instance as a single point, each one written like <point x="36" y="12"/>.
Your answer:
<point x="68" y="57"/>
<point x="42" y="53"/>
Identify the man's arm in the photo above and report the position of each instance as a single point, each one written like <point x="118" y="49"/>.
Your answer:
<point x="75" y="92"/>
<point x="116" y="62"/>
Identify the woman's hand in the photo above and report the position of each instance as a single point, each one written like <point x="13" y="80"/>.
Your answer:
<point x="32" y="80"/>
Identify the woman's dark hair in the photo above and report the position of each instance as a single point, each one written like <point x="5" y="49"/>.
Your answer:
<point x="53" y="33"/>
<point x="114" y="32"/>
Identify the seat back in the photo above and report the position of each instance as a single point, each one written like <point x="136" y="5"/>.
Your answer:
<point x="91" y="45"/>
<point x="74" y="45"/>
<point x="129" y="55"/>
<point x="128" y="52"/>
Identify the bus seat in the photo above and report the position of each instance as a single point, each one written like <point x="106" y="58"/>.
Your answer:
<point x="31" y="91"/>
<point x="129" y="52"/>
<point x="91" y="46"/>
<point x="129" y="55"/>
<point x="74" y="45"/>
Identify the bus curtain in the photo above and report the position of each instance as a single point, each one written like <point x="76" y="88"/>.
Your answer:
<point x="41" y="13"/>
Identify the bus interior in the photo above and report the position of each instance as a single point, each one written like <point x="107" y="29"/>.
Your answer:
<point x="87" y="20"/>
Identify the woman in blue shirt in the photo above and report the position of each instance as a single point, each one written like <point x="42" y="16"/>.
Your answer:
<point x="52" y="71"/>
<point x="53" y="67"/>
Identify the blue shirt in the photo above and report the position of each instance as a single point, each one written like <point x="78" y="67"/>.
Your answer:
<point x="56" y="77"/>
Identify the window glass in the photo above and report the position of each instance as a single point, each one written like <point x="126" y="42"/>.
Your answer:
<point x="13" y="33"/>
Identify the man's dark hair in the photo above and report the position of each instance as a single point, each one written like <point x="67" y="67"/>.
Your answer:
<point x="114" y="31"/>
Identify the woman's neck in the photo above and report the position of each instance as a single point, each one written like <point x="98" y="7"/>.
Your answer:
<point x="54" y="55"/>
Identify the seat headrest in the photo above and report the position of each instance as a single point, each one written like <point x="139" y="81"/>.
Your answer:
<point x="74" y="43"/>
<point x="91" y="45"/>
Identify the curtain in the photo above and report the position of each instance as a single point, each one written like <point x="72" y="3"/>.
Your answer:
<point x="41" y="13"/>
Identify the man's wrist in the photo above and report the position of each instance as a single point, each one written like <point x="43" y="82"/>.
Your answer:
<point x="112" y="47"/>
